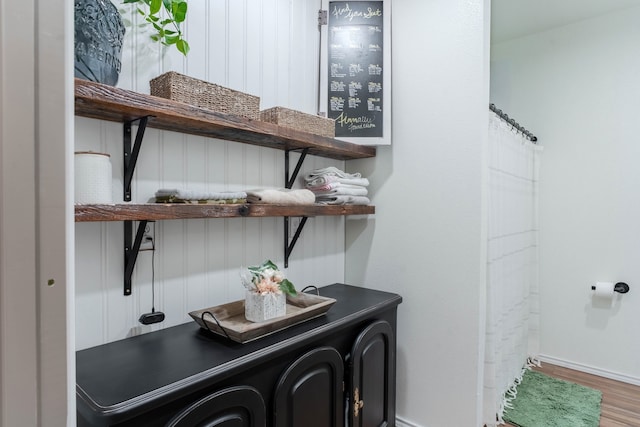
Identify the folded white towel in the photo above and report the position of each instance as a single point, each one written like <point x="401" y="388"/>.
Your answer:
<point x="283" y="196"/>
<point x="199" y="195"/>
<point x="334" y="185"/>
<point x="344" y="190"/>
<point x="328" y="179"/>
<point x="330" y="171"/>
<point x="343" y="200"/>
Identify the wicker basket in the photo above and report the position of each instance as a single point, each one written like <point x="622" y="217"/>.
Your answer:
<point x="300" y="121"/>
<point x="207" y="95"/>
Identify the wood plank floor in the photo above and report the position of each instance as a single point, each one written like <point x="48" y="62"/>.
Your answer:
<point x="620" y="401"/>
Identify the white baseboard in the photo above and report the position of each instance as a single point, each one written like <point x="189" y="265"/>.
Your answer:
<point x="591" y="370"/>
<point x="404" y="423"/>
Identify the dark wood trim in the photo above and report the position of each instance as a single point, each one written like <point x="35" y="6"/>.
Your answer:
<point x="105" y="102"/>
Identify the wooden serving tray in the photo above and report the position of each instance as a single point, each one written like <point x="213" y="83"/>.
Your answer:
<point x="233" y="325"/>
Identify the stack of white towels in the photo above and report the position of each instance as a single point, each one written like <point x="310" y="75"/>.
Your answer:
<point x="334" y="187"/>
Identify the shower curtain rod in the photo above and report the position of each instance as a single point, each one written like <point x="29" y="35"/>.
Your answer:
<point x="531" y="137"/>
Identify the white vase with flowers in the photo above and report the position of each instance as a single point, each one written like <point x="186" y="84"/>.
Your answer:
<point x="267" y="290"/>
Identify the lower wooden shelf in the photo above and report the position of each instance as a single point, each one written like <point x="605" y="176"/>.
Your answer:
<point x="161" y="211"/>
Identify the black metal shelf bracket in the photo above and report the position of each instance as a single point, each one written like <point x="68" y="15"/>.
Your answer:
<point x="131" y="153"/>
<point x="131" y="250"/>
<point x="289" y="181"/>
<point x="288" y="247"/>
<point x="130" y="158"/>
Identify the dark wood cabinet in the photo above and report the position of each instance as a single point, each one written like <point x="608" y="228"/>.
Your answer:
<point x="310" y="392"/>
<point x="372" y="377"/>
<point x="240" y="406"/>
<point x="331" y="371"/>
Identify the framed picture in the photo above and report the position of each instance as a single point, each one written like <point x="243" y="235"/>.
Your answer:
<point x="355" y="78"/>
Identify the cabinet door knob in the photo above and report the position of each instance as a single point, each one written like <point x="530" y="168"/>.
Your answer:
<point x="357" y="403"/>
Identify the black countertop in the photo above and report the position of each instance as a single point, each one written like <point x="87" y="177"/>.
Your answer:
<point x="130" y="373"/>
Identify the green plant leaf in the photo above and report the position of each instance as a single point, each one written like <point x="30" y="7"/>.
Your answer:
<point x="287" y="287"/>
<point x="154" y="7"/>
<point x="179" y="11"/>
<point x="170" y="39"/>
<point x="268" y="264"/>
<point x="176" y="13"/>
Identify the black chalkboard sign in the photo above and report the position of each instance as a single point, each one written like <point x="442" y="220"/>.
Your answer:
<point x="355" y="68"/>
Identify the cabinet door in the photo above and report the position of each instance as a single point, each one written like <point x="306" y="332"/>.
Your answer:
<point x="240" y="406"/>
<point x="310" y="392"/>
<point x="372" y="390"/>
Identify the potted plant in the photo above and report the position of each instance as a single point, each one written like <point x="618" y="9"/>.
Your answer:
<point x="99" y="34"/>
<point x="167" y="30"/>
<point x="267" y="290"/>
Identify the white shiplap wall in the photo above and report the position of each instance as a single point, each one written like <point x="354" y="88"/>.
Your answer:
<point x="263" y="47"/>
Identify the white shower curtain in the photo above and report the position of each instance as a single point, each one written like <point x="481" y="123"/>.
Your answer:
<point x="512" y="264"/>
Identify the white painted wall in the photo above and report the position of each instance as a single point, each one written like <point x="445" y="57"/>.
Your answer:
<point x="37" y="377"/>
<point x="427" y="239"/>
<point x="577" y="88"/>
<point x="429" y="249"/>
<point x="18" y="339"/>
<point x="264" y="47"/>
<point x="436" y="160"/>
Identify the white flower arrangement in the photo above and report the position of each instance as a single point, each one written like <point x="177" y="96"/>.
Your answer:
<point x="266" y="279"/>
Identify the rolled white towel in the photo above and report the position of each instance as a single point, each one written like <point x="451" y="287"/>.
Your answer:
<point x="282" y="196"/>
<point x="333" y="186"/>
<point x="164" y="193"/>
<point x="329" y="179"/>
<point x="343" y="190"/>
<point x="330" y="171"/>
<point x="343" y="200"/>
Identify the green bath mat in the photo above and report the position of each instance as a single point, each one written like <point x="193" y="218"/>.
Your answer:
<point x="543" y="401"/>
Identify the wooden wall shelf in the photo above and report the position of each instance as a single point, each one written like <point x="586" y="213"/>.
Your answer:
<point x="104" y="102"/>
<point x="161" y="211"/>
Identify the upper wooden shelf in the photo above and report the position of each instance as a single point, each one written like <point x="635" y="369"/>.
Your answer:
<point x="164" y="211"/>
<point x="105" y="102"/>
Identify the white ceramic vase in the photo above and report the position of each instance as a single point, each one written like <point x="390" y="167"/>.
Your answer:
<point x="258" y="307"/>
